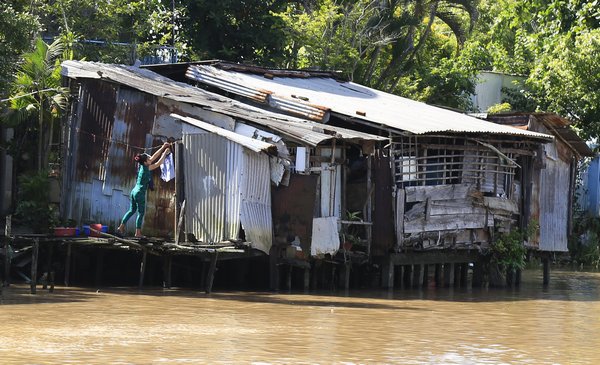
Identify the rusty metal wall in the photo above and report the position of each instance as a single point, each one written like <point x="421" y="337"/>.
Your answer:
<point x="109" y="127"/>
<point x="293" y="210"/>
<point x="383" y="215"/>
<point x="554" y="202"/>
<point x="255" y="193"/>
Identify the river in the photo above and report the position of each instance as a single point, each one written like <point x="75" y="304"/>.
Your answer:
<point x="529" y="325"/>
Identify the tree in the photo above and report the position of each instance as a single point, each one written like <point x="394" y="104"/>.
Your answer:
<point x="37" y="94"/>
<point x="17" y="29"/>
<point x="243" y="31"/>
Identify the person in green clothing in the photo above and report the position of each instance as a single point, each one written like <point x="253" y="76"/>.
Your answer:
<point x="138" y="193"/>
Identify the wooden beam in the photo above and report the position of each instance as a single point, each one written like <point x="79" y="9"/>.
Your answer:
<point x="437" y="192"/>
<point x="34" y="263"/>
<point x="438" y="275"/>
<point x="143" y="268"/>
<point x="211" y="272"/>
<point x="448" y="274"/>
<point x="546" y="264"/>
<point x="68" y="265"/>
<point x="464" y="275"/>
<point x="387" y="274"/>
<point x="168" y="270"/>
<point x="477" y="281"/>
<point x="400" y="199"/>
<point x="446" y="223"/>
<point x="433" y="257"/>
<point x="418" y="272"/>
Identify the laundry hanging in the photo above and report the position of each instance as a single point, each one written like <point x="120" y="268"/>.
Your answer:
<point x="167" y="169"/>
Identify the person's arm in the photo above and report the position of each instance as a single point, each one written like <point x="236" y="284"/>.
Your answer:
<point x="159" y="152"/>
<point x="162" y="158"/>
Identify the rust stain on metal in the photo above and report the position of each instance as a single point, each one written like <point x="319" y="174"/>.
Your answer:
<point x="383" y="216"/>
<point x="293" y="210"/>
<point x="97" y="116"/>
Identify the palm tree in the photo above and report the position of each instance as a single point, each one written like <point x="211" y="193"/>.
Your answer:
<point x="410" y="22"/>
<point x="37" y="94"/>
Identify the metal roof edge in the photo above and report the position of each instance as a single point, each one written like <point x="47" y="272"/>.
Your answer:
<point x="250" y="143"/>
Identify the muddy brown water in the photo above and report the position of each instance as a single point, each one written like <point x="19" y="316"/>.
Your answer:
<point x="531" y="325"/>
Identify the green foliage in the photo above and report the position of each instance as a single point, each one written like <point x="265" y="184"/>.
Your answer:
<point x="242" y="31"/>
<point x="17" y="28"/>
<point x="33" y="208"/>
<point x="37" y="94"/>
<point x="508" y="249"/>
<point x="555" y="44"/>
<point x="584" y="242"/>
<point x="499" y="108"/>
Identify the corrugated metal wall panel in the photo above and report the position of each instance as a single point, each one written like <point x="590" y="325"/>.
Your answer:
<point x="233" y="192"/>
<point x="256" y="215"/>
<point x="554" y="202"/>
<point x="110" y="127"/>
<point x="205" y="163"/>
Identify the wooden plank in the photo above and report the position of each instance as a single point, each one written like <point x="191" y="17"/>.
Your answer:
<point x="448" y="274"/>
<point x="387" y="274"/>
<point x="446" y="223"/>
<point x="434" y="257"/>
<point x="507" y="205"/>
<point x="34" y="263"/>
<point x="438" y="192"/>
<point x="211" y="273"/>
<point x="400" y="199"/>
<point x="143" y="268"/>
<point x="437" y="210"/>
<point x="68" y="264"/>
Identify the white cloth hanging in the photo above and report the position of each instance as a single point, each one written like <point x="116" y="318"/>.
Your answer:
<point x="167" y="169"/>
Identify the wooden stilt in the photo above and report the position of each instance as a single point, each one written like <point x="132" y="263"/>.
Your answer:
<point x="425" y="276"/>
<point x="306" y="279"/>
<point x="477" y="281"/>
<point x="51" y="290"/>
<point x="457" y="272"/>
<point x="546" y="265"/>
<point x="168" y="271"/>
<point x="398" y="275"/>
<point x="48" y="264"/>
<point x="345" y="275"/>
<point x="68" y="265"/>
<point x="34" y="262"/>
<point x="518" y="277"/>
<point x="7" y="260"/>
<point x="387" y="274"/>
<point x="274" y="268"/>
<point x="407" y="280"/>
<point x="288" y="279"/>
<point x="464" y="275"/>
<point x="448" y="274"/>
<point x="438" y="275"/>
<point x="143" y="268"/>
<point x="418" y="272"/>
<point x="211" y="272"/>
<point x="99" y="267"/>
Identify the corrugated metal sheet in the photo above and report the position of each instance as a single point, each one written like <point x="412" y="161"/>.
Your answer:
<point x="293" y="210"/>
<point x="553" y="123"/>
<point x="152" y="83"/>
<point x="554" y="203"/>
<point x="231" y="189"/>
<point x="255" y="192"/>
<point x="107" y="129"/>
<point x="205" y="163"/>
<point x="357" y="101"/>
<point x="250" y="143"/>
<point x="325" y="236"/>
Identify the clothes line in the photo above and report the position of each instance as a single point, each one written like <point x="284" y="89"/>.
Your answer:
<point x="95" y="137"/>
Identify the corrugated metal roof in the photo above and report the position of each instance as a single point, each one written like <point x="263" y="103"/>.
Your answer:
<point x="557" y="125"/>
<point x="357" y="101"/>
<point x="250" y="143"/>
<point x="152" y="83"/>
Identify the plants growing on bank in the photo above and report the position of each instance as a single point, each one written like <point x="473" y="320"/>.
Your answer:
<point x="508" y="250"/>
